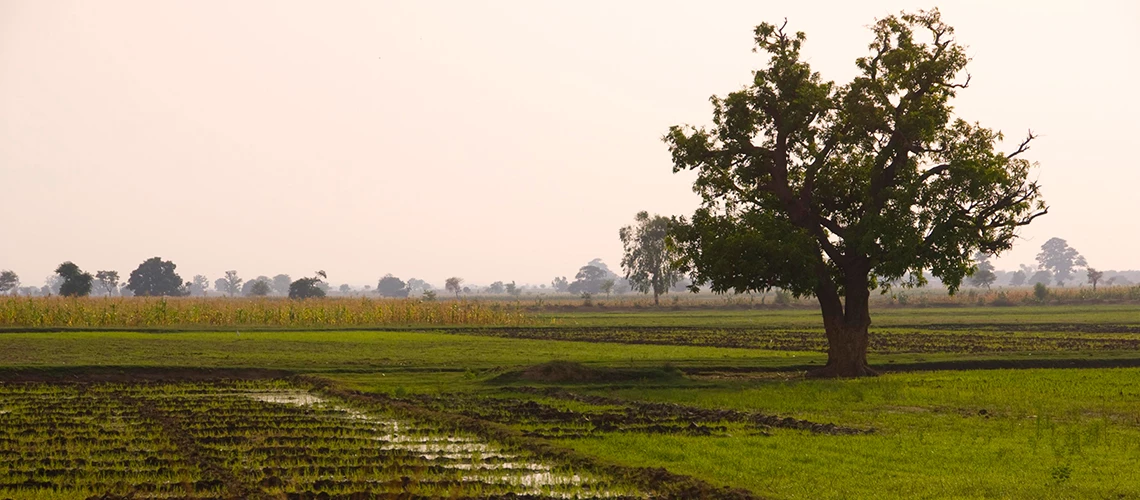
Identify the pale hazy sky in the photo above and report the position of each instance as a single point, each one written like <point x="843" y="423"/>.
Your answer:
<point x="490" y="140"/>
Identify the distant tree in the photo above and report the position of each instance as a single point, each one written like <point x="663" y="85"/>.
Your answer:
<point x="1118" y="280"/>
<point x="260" y="288"/>
<point x="1042" y="277"/>
<point x="454" y="285"/>
<point x="221" y="285"/>
<point x="391" y="286"/>
<point x="1094" y="276"/>
<point x="1018" y="279"/>
<point x="647" y="259"/>
<point x="683" y="284"/>
<point x="76" y="283"/>
<point x="124" y="291"/>
<point x="1057" y="256"/>
<point x="345" y="289"/>
<point x="199" y="285"/>
<point x="983" y="275"/>
<point x="429" y="295"/>
<point x="588" y="280"/>
<point x="466" y="290"/>
<point x="156" y="277"/>
<point x="52" y="284"/>
<point x="608" y="287"/>
<point x="247" y="288"/>
<point x="308" y="288"/>
<point x="417" y="286"/>
<point x="597" y="262"/>
<point x="108" y="281"/>
<point x="560" y="284"/>
<point x="9" y="281"/>
<point x="281" y="284"/>
<point x="496" y="288"/>
<point x="512" y="289"/>
<point x="621" y="286"/>
<point x="233" y="283"/>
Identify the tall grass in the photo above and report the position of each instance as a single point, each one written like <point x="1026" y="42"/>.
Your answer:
<point x="188" y="312"/>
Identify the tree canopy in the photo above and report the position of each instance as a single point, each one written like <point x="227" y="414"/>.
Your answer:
<point x="76" y="283"/>
<point x="307" y="288"/>
<point x="833" y="190"/>
<point x="108" y="281"/>
<point x="259" y="288"/>
<point x="231" y="283"/>
<point x="156" y="277"/>
<point x="454" y="285"/>
<point x="391" y="286"/>
<point x="588" y="280"/>
<point x="9" y="280"/>
<point x="1061" y="259"/>
<point x="983" y="274"/>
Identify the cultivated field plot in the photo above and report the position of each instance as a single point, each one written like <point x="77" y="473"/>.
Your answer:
<point x="252" y="439"/>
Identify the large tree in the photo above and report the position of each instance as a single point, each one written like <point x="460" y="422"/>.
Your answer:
<point x="647" y="259"/>
<point x="76" y="282"/>
<point x="834" y="190"/>
<point x="1060" y="258"/>
<point x="156" y="277"/>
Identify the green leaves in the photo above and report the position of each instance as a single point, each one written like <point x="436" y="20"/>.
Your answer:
<point x="872" y="178"/>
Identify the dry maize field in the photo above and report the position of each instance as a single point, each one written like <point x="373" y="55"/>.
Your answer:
<point x="266" y="439"/>
<point x="241" y="312"/>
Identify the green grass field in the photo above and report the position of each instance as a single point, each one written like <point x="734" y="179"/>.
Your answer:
<point x="714" y="397"/>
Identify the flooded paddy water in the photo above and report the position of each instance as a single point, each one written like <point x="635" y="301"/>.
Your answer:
<point x="254" y="439"/>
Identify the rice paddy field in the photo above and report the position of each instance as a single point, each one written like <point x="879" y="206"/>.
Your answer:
<point x="1038" y="401"/>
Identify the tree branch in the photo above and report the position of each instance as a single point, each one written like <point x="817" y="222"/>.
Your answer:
<point x="1024" y="146"/>
<point x="933" y="172"/>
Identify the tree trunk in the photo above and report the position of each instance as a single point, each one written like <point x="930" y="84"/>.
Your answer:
<point x="846" y="326"/>
<point x="655" y="296"/>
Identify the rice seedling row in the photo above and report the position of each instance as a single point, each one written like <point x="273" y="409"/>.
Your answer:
<point x="882" y="341"/>
<point x="253" y="439"/>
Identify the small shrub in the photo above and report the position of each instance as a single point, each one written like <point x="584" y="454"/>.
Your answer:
<point x="1040" y="292"/>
